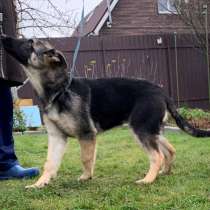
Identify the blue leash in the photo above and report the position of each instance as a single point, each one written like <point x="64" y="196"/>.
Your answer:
<point x="76" y="52"/>
<point x="72" y="69"/>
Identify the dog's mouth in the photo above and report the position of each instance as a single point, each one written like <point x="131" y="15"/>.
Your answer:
<point x="20" y="49"/>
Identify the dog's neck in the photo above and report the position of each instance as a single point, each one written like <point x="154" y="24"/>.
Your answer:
<point x="35" y="80"/>
<point x="51" y="88"/>
<point x="47" y="83"/>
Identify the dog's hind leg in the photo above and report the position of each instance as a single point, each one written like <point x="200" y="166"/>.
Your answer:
<point x="169" y="153"/>
<point x="88" y="156"/>
<point x="145" y="121"/>
<point x="156" y="158"/>
<point x="56" y="148"/>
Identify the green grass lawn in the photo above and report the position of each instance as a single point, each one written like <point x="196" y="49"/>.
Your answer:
<point x="119" y="163"/>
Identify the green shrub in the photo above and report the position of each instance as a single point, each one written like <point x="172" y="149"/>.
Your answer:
<point x="196" y="117"/>
<point x="194" y="114"/>
<point x="19" y="123"/>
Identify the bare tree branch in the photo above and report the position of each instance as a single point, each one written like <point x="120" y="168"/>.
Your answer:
<point x="31" y="16"/>
<point x="192" y="13"/>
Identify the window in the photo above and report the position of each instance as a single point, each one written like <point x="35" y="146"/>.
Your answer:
<point x="166" y="7"/>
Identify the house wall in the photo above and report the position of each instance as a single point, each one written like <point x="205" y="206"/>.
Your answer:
<point x="137" y="17"/>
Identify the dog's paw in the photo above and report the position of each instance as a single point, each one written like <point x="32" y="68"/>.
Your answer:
<point x="143" y="181"/>
<point x="41" y="185"/>
<point x="165" y="172"/>
<point x="84" y="177"/>
<point x="162" y="172"/>
<point x="31" y="186"/>
<point x="42" y="182"/>
<point x="37" y="185"/>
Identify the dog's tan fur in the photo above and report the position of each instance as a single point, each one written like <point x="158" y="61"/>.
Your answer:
<point x="88" y="157"/>
<point x="156" y="160"/>
<point x="56" y="148"/>
<point x="169" y="154"/>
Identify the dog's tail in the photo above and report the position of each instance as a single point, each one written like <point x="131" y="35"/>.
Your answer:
<point x="182" y="123"/>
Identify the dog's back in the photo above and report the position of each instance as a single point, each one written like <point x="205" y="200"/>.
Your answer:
<point x="112" y="100"/>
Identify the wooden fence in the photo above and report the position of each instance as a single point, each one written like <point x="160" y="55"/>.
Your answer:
<point x="172" y="61"/>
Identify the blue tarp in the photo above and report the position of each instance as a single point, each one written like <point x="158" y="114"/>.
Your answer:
<point x="32" y="116"/>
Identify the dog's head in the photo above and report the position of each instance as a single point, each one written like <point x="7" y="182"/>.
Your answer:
<point x="44" y="65"/>
<point x="34" y="53"/>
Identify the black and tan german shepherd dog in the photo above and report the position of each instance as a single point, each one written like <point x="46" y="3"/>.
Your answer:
<point x="89" y="106"/>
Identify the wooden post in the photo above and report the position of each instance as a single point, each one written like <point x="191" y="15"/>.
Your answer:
<point x="207" y="45"/>
<point x="176" y="66"/>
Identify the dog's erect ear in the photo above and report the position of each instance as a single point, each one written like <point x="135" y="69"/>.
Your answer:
<point x="56" y="58"/>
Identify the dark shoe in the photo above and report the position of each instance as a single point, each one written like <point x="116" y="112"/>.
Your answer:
<point x="18" y="172"/>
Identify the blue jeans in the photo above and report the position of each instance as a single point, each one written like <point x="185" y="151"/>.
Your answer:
<point x="7" y="153"/>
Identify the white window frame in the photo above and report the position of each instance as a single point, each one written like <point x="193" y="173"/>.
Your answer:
<point x="169" y="9"/>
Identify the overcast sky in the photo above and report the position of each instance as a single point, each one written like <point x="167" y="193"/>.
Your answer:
<point x="71" y="7"/>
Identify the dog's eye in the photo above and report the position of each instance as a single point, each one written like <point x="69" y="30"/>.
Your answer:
<point x="50" y="52"/>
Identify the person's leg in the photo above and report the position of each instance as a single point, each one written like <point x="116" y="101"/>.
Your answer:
<point x="7" y="153"/>
<point x="9" y="166"/>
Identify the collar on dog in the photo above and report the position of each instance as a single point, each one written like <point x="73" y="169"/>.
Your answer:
<point x="56" y="96"/>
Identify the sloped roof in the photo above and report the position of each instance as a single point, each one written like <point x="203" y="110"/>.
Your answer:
<point x="93" y="19"/>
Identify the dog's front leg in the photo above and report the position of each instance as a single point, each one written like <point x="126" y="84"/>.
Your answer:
<point x="56" y="147"/>
<point x="88" y="156"/>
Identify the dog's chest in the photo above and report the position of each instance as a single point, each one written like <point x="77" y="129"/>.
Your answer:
<point x="64" y="121"/>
